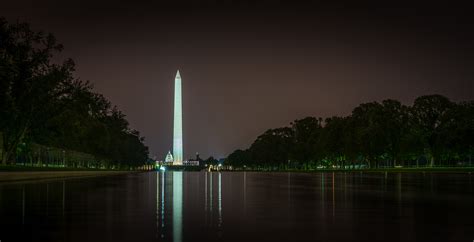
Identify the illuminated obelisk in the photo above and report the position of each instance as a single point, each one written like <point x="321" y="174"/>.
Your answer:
<point x="178" y="123"/>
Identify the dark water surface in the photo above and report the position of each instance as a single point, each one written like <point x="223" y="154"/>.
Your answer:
<point x="237" y="206"/>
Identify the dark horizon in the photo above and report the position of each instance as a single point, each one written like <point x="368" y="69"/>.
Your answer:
<point x="256" y="65"/>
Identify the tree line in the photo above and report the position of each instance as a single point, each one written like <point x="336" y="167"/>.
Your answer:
<point x="434" y="131"/>
<point x="44" y="108"/>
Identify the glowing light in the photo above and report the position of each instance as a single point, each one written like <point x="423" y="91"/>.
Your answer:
<point x="160" y="205"/>
<point x="220" y="200"/>
<point x="177" y="206"/>
<point x="178" y="125"/>
<point x="210" y="192"/>
<point x="162" y="168"/>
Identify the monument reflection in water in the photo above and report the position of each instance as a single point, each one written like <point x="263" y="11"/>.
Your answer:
<point x="170" y="201"/>
<point x="240" y="206"/>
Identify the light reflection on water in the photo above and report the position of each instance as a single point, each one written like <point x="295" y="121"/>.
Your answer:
<point x="177" y="206"/>
<point x="176" y="203"/>
<point x="236" y="206"/>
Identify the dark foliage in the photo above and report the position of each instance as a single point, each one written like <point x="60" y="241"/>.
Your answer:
<point x="434" y="132"/>
<point x="42" y="103"/>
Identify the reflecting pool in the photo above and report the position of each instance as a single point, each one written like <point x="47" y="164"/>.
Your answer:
<point x="241" y="206"/>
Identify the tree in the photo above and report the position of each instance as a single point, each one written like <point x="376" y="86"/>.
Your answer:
<point x="41" y="103"/>
<point x="306" y="135"/>
<point x="334" y="140"/>
<point x="386" y="133"/>
<point x="238" y="158"/>
<point x="31" y="83"/>
<point x="273" y="147"/>
<point x="211" y="161"/>
<point x="370" y="137"/>
<point x="429" y="114"/>
<point x="395" y="123"/>
<point x="457" y="132"/>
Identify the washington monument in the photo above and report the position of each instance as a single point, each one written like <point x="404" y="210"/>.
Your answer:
<point x="178" y="123"/>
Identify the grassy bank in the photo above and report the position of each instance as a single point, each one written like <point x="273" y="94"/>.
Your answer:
<point x="10" y="173"/>
<point x="424" y="169"/>
<point x="394" y="170"/>
<point x="8" y="168"/>
<point x="19" y="176"/>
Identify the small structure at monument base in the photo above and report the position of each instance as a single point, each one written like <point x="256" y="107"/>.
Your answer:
<point x="191" y="163"/>
<point x="169" y="158"/>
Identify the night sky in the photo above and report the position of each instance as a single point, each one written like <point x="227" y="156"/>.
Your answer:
<point x="247" y="67"/>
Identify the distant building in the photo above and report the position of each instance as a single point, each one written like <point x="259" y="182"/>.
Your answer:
<point x="193" y="162"/>
<point x="169" y="158"/>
